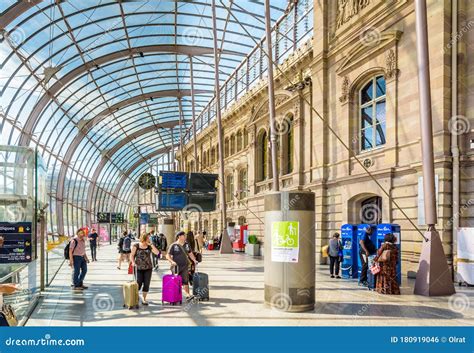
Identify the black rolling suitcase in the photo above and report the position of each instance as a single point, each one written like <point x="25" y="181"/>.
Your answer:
<point x="201" y="285"/>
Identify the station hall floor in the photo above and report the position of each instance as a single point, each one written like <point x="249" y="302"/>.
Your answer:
<point x="236" y="291"/>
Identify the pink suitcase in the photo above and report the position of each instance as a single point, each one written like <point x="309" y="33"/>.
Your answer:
<point x="171" y="292"/>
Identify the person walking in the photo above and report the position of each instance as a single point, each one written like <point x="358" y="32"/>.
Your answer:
<point x="124" y="249"/>
<point x="141" y="258"/>
<point x="156" y="242"/>
<point x="78" y="259"/>
<point x="93" y="243"/>
<point x="367" y="248"/>
<point x="179" y="255"/>
<point x="163" y="242"/>
<point x="199" y="239"/>
<point x="335" y="246"/>
<point x="387" y="258"/>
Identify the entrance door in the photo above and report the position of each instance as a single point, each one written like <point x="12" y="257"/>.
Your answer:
<point x="371" y="210"/>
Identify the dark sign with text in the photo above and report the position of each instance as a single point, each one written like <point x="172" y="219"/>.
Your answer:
<point x="15" y="242"/>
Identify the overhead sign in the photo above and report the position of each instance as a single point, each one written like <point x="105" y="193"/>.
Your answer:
<point x="15" y="242"/>
<point x="117" y="218"/>
<point x="173" y="180"/>
<point x="285" y="241"/>
<point x="103" y="217"/>
<point x="144" y="218"/>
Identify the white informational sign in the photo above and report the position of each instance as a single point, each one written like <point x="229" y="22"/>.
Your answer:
<point x="421" y="200"/>
<point x="285" y="241"/>
<point x="465" y="255"/>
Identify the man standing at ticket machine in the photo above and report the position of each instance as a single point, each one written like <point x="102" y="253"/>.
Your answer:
<point x="367" y="248"/>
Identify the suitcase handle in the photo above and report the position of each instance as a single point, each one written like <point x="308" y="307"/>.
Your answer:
<point x="174" y="267"/>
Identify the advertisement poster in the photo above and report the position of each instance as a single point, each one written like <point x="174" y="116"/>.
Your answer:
<point x="285" y="241"/>
<point x="15" y="242"/>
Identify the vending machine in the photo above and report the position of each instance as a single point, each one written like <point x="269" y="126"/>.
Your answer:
<point x="382" y="230"/>
<point x="361" y="228"/>
<point x="349" y="251"/>
<point x="239" y="244"/>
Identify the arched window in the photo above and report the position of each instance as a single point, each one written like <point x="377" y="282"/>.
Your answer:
<point x="213" y="155"/>
<point x="262" y="156"/>
<point x="246" y="138"/>
<point x="229" y="188"/>
<point x="226" y="147"/>
<point x="287" y="143"/>
<point x="214" y="227"/>
<point x="206" y="226"/>
<point x="204" y="159"/>
<point x="372" y="114"/>
<point x="239" y="141"/>
<point x="232" y="144"/>
<point x="243" y="185"/>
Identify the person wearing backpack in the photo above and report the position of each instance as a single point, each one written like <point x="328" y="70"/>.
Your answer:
<point x="141" y="258"/>
<point x="163" y="242"/>
<point x="124" y="255"/>
<point x="78" y="259"/>
<point x="387" y="258"/>
<point x="156" y="243"/>
<point x="367" y="248"/>
<point x="335" y="246"/>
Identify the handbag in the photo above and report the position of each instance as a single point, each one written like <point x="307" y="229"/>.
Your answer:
<point x="385" y="256"/>
<point x="375" y="268"/>
<point x="130" y="269"/>
<point x="8" y="315"/>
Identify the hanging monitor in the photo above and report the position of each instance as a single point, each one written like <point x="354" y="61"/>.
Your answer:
<point x="171" y="201"/>
<point x="103" y="217"/>
<point x="174" y="180"/>
<point x="203" y="182"/>
<point x="205" y="202"/>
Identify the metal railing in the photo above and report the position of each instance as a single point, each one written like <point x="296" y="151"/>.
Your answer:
<point x="289" y="33"/>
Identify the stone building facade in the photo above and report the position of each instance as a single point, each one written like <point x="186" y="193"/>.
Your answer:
<point x="359" y="73"/>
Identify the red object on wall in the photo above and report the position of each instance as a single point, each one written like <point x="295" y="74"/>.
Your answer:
<point x="239" y="245"/>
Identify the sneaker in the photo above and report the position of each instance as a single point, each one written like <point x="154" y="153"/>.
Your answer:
<point x="77" y="288"/>
<point x="84" y="287"/>
<point x="332" y="276"/>
<point x="189" y="298"/>
<point x="338" y="277"/>
<point x="144" y="302"/>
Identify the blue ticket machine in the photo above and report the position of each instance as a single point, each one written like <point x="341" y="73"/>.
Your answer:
<point x="361" y="228"/>
<point x="386" y="228"/>
<point x="349" y="251"/>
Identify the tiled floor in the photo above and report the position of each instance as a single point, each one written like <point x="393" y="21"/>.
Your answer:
<point x="236" y="291"/>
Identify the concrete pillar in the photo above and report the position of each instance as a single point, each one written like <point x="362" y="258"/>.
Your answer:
<point x="168" y="229"/>
<point x="289" y="259"/>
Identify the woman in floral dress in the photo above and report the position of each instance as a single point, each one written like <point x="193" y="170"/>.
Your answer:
<point x="387" y="277"/>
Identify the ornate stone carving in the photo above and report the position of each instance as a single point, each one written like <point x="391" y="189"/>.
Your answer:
<point x="344" y="90"/>
<point x="391" y="70"/>
<point x="346" y="9"/>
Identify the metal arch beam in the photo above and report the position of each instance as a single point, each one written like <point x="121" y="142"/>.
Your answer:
<point x="114" y="150"/>
<point x="16" y="10"/>
<point x="62" y="82"/>
<point x="83" y="131"/>
<point x="129" y="171"/>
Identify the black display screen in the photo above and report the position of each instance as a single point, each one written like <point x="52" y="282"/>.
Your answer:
<point x="203" y="182"/>
<point x="103" y="217"/>
<point x="206" y="202"/>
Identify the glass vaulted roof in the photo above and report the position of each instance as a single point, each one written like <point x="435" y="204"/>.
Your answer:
<point x="100" y="86"/>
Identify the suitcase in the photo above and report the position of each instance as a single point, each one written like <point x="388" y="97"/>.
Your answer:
<point x="130" y="295"/>
<point x="171" y="292"/>
<point x="201" y="285"/>
<point x="210" y="247"/>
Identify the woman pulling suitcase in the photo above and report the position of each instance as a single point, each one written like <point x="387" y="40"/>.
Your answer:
<point x="141" y="258"/>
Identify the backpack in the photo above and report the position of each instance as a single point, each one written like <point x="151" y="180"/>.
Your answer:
<point x="127" y="244"/>
<point x="156" y="241"/>
<point x="67" y="247"/>
<point x="163" y="243"/>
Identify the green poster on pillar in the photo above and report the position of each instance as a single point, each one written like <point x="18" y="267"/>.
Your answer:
<point x="285" y="241"/>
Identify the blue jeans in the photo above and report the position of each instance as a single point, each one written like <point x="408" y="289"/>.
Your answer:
<point x="80" y="270"/>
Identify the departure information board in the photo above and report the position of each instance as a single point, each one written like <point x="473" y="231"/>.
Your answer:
<point x="103" y="217"/>
<point x="173" y="180"/>
<point x="15" y="242"/>
<point x="172" y="201"/>
<point x="117" y="218"/>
